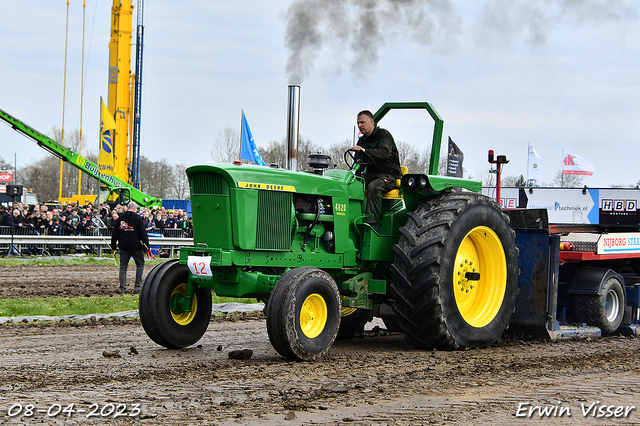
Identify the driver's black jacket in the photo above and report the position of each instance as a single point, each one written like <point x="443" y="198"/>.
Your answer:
<point x="382" y="148"/>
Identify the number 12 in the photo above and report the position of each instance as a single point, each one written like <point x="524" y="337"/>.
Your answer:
<point x="202" y="266"/>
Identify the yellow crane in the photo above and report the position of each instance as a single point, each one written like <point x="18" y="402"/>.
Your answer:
<point x="121" y="81"/>
<point x="122" y="98"/>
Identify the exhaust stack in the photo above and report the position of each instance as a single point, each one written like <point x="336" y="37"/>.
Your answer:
<point x="293" y="127"/>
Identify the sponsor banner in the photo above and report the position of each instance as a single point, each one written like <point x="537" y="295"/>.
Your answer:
<point x="508" y="203"/>
<point x="628" y="242"/>
<point x="6" y="177"/>
<point x="576" y="205"/>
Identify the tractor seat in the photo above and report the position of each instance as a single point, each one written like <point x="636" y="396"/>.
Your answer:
<point x="394" y="194"/>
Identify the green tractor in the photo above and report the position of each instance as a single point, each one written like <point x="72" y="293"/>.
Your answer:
<point x="442" y="266"/>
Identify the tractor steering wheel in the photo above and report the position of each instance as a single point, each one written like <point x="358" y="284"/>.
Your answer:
<point x="350" y="159"/>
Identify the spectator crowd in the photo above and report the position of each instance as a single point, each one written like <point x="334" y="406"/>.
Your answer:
<point x="42" y="219"/>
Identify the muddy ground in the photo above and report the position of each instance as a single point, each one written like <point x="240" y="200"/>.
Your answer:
<point x="375" y="379"/>
<point x="27" y="281"/>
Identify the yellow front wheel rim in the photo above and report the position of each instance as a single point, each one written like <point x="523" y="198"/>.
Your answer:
<point x="313" y="315"/>
<point x="480" y="276"/>
<point x="184" y="318"/>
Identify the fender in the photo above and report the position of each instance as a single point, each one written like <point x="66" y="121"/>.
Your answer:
<point x="589" y="280"/>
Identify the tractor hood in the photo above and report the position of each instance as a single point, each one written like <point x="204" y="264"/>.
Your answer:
<point x="334" y="183"/>
<point x="246" y="207"/>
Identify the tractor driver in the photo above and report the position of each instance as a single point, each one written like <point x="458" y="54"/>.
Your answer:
<point x="378" y="145"/>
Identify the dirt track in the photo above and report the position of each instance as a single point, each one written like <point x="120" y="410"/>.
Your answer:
<point x="62" y="281"/>
<point x="377" y="379"/>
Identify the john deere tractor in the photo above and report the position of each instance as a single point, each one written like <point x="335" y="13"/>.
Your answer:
<point x="442" y="266"/>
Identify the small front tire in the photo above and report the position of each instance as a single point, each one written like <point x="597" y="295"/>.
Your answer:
<point x="303" y="314"/>
<point x="173" y="329"/>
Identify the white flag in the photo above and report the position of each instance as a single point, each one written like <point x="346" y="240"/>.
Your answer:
<point x="573" y="164"/>
<point x="534" y="168"/>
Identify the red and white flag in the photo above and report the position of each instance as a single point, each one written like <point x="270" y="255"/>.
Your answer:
<point x="573" y="164"/>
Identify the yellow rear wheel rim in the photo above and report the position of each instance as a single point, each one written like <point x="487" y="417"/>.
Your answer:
<point x="313" y="315"/>
<point x="480" y="276"/>
<point x="184" y="318"/>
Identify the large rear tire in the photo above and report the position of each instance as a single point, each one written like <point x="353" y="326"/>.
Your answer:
<point x="455" y="273"/>
<point x="303" y="314"/>
<point x="604" y="311"/>
<point x="172" y="329"/>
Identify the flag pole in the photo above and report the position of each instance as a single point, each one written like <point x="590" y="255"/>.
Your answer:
<point x="99" y="145"/>
<point x="562" y="171"/>
<point x="528" y="155"/>
<point x="528" y="165"/>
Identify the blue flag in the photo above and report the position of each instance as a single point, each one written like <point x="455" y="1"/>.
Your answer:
<point x="248" y="150"/>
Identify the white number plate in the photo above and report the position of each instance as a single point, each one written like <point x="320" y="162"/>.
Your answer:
<point x="200" y="265"/>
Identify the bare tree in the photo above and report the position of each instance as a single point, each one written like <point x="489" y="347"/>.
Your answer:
<point x="568" y="181"/>
<point x="42" y="176"/>
<point x="336" y="152"/>
<point x="156" y="177"/>
<point x="70" y="174"/>
<point x="513" y="181"/>
<point x="226" y="146"/>
<point x="276" y="152"/>
<point x="306" y="147"/>
<point x="4" y="165"/>
<point x="412" y="158"/>
<point x="180" y="189"/>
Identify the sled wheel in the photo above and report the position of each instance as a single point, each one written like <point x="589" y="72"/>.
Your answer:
<point x="455" y="273"/>
<point x="605" y="311"/>
<point x="164" y="322"/>
<point x="353" y="321"/>
<point x="303" y="314"/>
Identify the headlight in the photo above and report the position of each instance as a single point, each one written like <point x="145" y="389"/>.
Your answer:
<point x="422" y="181"/>
<point x="411" y="182"/>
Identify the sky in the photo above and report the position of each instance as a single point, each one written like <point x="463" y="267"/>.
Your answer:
<point x="503" y="74"/>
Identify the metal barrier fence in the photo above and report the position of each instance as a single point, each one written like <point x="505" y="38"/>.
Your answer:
<point x="105" y="232"/>
<point x="27" y="241"/>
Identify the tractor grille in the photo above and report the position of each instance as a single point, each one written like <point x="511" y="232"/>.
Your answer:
<point x="274" y="220"/>
<point x="208" y="183"/>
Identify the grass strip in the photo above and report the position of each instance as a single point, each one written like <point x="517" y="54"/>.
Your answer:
<point x="59" y="306"/>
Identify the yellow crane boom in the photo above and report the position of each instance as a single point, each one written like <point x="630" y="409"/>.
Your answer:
<point x="120" y="99"/>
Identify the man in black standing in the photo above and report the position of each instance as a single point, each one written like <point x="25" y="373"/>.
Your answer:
<point x="129" y="232"/>
<point x="378" y="145"/>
